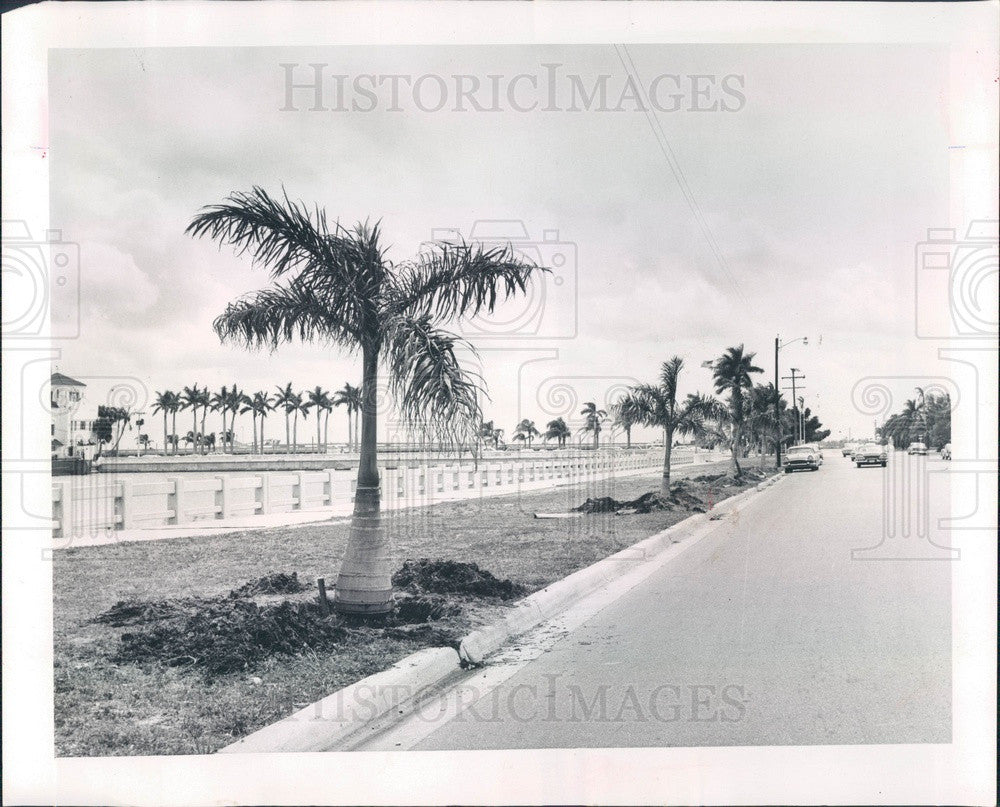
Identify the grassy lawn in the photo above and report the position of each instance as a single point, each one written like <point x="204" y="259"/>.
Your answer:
<point x="104" y="708"/>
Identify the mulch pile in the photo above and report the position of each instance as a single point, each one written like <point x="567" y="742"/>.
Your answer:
<point x="425" y="576"/>
<point x="692" y="494"/>
<point x="234" y="633"/>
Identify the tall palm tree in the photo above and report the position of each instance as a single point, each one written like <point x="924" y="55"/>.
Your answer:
<point x="626" y="415"/>
<point x="299" y="407"/>
<point x="247" y="405"/>
<point x="204" y="403"/>
<point x="526" y="431"/>
<point x="657" y="405"/>
<point x="167" y="403"/>
<point x="731" y="373"/>
<point x="350" y="396"/>
<point x="261" y="404"/>
<point x="319" y="399"/>
<point x="234" y="403"/>
<point x="557" y="430"/>
<point x="336" y="285"/>
<point x="191" y="398"/>
<point x="286" y="400"/>
<point x="593" y="418"/>
<point x="219" y="404"/>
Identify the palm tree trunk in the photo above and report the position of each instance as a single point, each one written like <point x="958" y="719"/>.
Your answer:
<point x="364" y="584"/>
<point x="628" y="437"/>
<point x="326" y="431"/>
<point x="288" y="435"/>
<point x="295" y="429"/>
<point x="173" y="427"/>
<point x="737" y="435"/>
<point x="194" y="430"/>
<point x="204" y="444"/>
<point x="668" y="447"/>
<point x="164" y="432"/>
<point x="317" y="432"/>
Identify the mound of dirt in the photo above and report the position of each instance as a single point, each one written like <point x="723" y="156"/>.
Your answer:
<point x="228" y="634"/>
<point x="681" y="497"/>
<point x="274" y="583"/>
<point x="453" y="577"/>
<point x="231" y="635"/>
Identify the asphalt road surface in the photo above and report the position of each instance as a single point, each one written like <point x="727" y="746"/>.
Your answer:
<point x="767" y="631"/>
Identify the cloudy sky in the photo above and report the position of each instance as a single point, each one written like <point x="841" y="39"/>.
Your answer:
<point x="789" y="203"/>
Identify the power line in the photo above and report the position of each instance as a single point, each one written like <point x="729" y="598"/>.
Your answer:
<point x="675" y="168"/>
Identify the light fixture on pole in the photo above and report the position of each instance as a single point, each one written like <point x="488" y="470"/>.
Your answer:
<point x="778" y="345"/>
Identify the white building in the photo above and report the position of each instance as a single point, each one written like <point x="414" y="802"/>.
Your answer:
<point x="66" y="395"/>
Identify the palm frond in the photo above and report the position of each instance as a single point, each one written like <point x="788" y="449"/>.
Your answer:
<point x="431" y="388"/>
<point x="458" y="280"/>
<point x="282" y="313"/>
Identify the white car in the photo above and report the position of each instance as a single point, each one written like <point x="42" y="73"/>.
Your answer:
<point x="815" y="449"/>
<point x="917" y="448"/>
<point x="802" y="458"/>
<point x="871" y="454"/>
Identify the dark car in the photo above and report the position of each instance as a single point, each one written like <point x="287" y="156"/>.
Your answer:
<point x="802" y="458"/>
<point x="871" y="454"/>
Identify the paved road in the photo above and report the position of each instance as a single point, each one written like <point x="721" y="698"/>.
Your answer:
<point x="765" y="632"/>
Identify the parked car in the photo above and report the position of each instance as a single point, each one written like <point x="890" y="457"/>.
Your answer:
<point x="917" y="448"/>
<point x="946" y="451"/>
<point x="815" y="449"/>
<point x="799" y="458"/>
<point x="871" y="454"/>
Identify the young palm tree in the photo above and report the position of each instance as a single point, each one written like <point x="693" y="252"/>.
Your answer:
<point x="286" y="400"/>
<point x="526" y="431"/>
<point x="191" y="399"/>
<point x="166" y="402"/>
<point x="593" y="418"/>
<point x="557" y="430"/>
<point x="657" y="405"/>
<point x="731" y="373"/>
<point x="337" y="286"/>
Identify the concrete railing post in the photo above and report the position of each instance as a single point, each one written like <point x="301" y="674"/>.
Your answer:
<point x="297" y="491"/>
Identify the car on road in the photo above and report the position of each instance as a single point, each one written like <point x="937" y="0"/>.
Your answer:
<point x="917" y="448"/>
<point x="848" y="450"/>
<point x="815" y="449"/>
<point x="946" y="451"/>
<point x="799" y="458"/>
<point x="871" y="454"/>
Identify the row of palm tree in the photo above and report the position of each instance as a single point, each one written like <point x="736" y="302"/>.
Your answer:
<point x="925" y="419"/>
<point x="230" y="402"/>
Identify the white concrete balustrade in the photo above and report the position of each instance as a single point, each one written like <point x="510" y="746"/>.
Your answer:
<point x="88" y="504"/>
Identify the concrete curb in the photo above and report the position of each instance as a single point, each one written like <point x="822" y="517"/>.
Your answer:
<point x="551" y="600"/>
<point x="336" y="717"/>
<point x="333" y="720"/>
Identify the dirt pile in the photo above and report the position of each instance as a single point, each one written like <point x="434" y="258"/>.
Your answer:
<point x="422" y="577"/>
<point x="275" y="583"/>
<point x="695" y="494"/>
<point x="235" y="633"/>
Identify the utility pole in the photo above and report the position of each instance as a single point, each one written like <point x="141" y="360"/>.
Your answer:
<point x="777" y="409"/>
<point x="802" y="419"/>
<point x="778" y="345"/>
<point x="794" y="377"/>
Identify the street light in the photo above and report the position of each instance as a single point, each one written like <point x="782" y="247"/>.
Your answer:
<point x="778" y="345"/>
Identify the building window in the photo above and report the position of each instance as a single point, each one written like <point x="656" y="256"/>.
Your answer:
<point x="74" y="396"/>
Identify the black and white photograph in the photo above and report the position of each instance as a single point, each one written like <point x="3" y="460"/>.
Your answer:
<point x="500" y="403"/>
